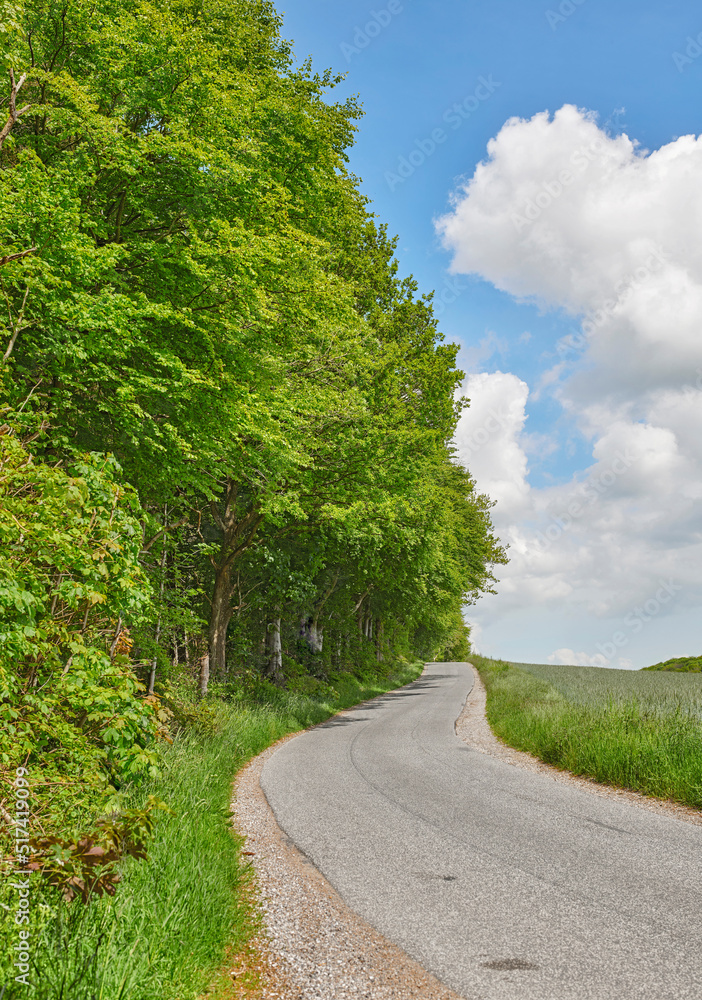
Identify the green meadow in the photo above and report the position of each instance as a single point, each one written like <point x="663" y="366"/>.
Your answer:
<point x="660" y="693"/>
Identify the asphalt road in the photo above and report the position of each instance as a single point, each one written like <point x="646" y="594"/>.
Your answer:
<point x="504" y="884"/>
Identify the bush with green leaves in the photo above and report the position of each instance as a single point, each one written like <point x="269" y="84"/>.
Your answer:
<point x="683" y="664"/>
<point x="71" y="706"/>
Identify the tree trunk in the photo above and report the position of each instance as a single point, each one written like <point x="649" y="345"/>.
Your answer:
<point x="312" y="634"/>
<point x="378" y="640"/>
<point x="316" y="636"/>
<point x="219" y="621"/>
<point x="238" y="534"/>
<point x="152" y="674"/>
<point x="204" y="670"/>
<point x="274" y="667"/>
<point x="360" y="613"/>
<point x="310" y="630"/>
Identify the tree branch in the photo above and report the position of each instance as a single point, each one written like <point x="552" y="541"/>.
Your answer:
<point x="364" y="595"/>
<point x="216" y="515"/>
<point x="14" y="115"/>
<point x="18" y="326"/>
<point x="16" y="256"/>
<point x="170" y="527"/>
<point x="245" y="544"/>
<point x="327" y="594"/>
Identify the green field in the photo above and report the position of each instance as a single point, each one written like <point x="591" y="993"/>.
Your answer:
<point x="660" y="693"/>
<point x="631" y="729"/>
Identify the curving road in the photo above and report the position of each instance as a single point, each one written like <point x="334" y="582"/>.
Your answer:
<point x="504" y="884"/>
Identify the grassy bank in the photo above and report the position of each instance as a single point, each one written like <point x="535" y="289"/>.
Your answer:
<point x="622" y="728"/>
<point x="174" y="915"/>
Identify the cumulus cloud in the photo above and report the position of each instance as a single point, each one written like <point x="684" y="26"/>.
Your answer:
<point x="569" y="657"/>
<point x="487" y="437"/>
<point x="565" y="215"/>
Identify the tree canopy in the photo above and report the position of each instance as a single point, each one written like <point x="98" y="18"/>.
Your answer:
<point x="227" y="418"/>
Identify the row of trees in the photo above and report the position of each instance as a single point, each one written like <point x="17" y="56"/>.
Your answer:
<point x="227" y="424"/>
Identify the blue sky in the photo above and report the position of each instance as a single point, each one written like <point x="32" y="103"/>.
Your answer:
<point x="518" y="59"/>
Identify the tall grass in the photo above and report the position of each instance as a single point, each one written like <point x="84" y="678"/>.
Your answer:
<point x="174" y="915"/>
<point x="610" y="730"/>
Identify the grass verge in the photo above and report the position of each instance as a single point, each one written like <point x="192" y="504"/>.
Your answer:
<point x="621" y="743"/>
<point x="177" y="915"/>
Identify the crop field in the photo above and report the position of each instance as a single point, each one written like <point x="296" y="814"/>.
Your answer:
<point x="630" y="729"/>
<point x="658" y="692"/>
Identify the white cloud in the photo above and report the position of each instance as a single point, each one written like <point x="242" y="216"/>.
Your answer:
<point x="487" y="437"/>
<point x="474" y="357"/>
<point x="617" y="245"/>
<point x="568" y="657"/>
<point x="565" y="215"/>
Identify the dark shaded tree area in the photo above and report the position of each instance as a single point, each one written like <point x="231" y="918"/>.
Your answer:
<point x="225" y="443"/>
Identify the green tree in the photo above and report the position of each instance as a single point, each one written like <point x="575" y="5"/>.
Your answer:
<point x="195" y="285"/>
